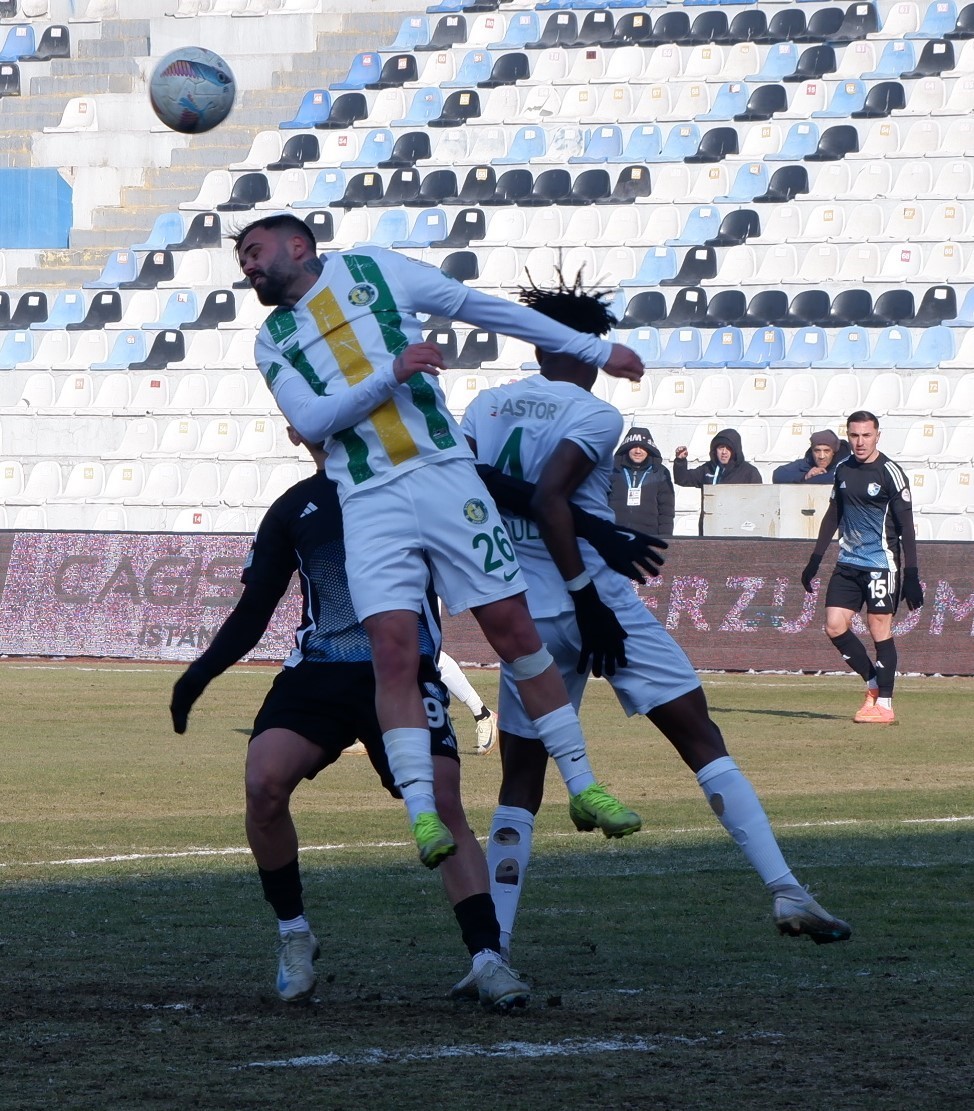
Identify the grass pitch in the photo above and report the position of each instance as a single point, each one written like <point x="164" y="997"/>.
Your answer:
<point x="138" y="954"/>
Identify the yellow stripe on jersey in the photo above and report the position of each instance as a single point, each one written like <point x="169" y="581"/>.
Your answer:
<point x="338" y="333"/>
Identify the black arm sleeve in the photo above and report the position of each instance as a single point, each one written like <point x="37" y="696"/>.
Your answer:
<point x="666" y="505"/>
<point x="243" y="628"/>
<point x="514" y="495"/>
<point x="903" y="517"/>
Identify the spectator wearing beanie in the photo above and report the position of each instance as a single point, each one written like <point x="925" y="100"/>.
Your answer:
<point x="641" y="494"/>
<point x="818" y="463"/>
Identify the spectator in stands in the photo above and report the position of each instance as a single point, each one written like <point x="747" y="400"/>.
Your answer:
<point x="818" y="463"/>
<point x="641" y="494"/>
<point x="726" y="466"/>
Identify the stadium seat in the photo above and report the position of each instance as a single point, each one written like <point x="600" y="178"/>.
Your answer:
<point x="657" y="263"/>
<point x="682" y="346"/>
<point x="801" y="140"/>
<point x="702" y="224"/>
<point x="807" y="346"/>
<point x="766" y="346"/>
<point x="18" y="43"/>
<point x="9" y="79"/>
<point x="730" y="100"/>
<point x="964" y="26"/>
<point x="725" y="346"/>
<point x="727" y="307"/>
<point x="689" y="307"/>
<point x="839" y="396"/>
<point x="43" y="482"/>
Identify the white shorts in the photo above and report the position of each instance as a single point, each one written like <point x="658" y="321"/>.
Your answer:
<point x="658" y="670"/>
<point x="441" y="512"/>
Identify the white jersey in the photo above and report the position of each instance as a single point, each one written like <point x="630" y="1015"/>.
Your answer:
<point x="328" y="362"/>
<point x="516" y="428"/>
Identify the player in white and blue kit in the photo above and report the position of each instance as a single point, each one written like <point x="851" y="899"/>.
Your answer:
<point x="343" y="355"/>
<point x="551" y="431"/>
<point x="877" y="564"/>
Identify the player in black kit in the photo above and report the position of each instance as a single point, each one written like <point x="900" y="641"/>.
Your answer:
<point x="322" y="701"/>
<point x="877" y="562"/>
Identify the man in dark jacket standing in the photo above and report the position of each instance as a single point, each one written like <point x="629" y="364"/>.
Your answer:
<point x="641" y="495"/>
<point x="727" y="464"/>
<point x="818" y="463"/>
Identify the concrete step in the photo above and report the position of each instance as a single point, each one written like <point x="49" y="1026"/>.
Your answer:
<point x="83" y="85"/>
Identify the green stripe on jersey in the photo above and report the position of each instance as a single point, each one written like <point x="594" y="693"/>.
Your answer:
<point x="358" y="455"/>
<point x="387" y="316"/>
<point x="281" y="324"/>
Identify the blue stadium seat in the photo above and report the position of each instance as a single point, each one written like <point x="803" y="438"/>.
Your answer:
<point x="802" y="139"/>
<point x="315" y="108"/>
<point x="897" y="56"/>
<point x="365" y="68"/>
<point x="766" y="345"/>
<point x="391" y="227"/>
<point x="751" y="181"/>
<point x="129" y="347"/>
<point x="646" y="343"/>
<point x="682" y="140"/>
<point x="781" y="60"/>
<point x="604" y="145"/>
<point x="522" y="28"/>
<point x="430" y="225"/>
<point x="935" y="346"/>
<point x="68" y="308"/>
<point x="427" y="103"/>
<point x="475" y="66"/>
<point x="328" y="186"/>
<point x="16" y="347"/>
<point x="644" y="144"/>
<point x="18" y="43"/>
<point x="376" y="147"/>
<point x="893" y="346"/>
<point x="528" y="142"/>
<point x="180" y="309"/>
<point x="726" y="346"/>
<point x="683" y="346"/>
<point x="807" y="345"/>
<point x="730" y="101"/>
<point x="413" y="31"/>
<point x="166" y="230"/>
<point x="939" y="18"/>
<point x="702" y="223"/>
<point x="657" y="263"/>
<point x="965" y="314"/>
<point x="122" y="266"/>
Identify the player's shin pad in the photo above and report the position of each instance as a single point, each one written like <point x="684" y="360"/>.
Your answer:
<point x="408" y="753"/>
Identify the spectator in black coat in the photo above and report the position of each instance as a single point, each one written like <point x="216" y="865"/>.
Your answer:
<point x="641" y="495"/>
<point x="818" y="463"/>
<point x="727" y="464"/>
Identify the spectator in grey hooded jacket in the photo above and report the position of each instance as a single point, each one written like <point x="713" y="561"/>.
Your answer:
<point x="641" y="495"/>
<point x="818" y="463"/>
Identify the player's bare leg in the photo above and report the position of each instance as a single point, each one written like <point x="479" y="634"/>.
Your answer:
<point x="277" y="761"/>
<point x="399" y="707"/>
<point x="512" y="634"/>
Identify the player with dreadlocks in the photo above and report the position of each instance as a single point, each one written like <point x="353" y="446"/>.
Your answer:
<point x="548" y="429"/>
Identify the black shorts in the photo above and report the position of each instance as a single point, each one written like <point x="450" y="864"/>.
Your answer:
<point x="851" y="588"/>
<point x="333" y="705"/>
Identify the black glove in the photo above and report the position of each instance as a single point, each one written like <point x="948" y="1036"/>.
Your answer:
<point x="188" y="687"/>
<point x="912" y="588"/>
<point x="602" y="635"/>
<point x="811" y="570"/>
<point x="628" y="551"/>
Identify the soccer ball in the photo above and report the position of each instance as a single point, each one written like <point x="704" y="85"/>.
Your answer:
<point x="192" y="89"/>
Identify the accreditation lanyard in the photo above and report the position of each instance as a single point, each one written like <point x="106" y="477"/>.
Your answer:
<point x="634" y="493"/>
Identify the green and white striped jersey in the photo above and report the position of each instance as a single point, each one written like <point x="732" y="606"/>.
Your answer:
<point x="328" y="362"/>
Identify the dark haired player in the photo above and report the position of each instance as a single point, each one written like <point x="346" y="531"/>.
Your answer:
<point x="320" y="702"/>
<point x="877" y="564"/>
<point x="550" y="430"/>
<point x="344" y="356"/>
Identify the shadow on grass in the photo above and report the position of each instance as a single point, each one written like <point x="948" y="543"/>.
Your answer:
<point x="798" y="715"/>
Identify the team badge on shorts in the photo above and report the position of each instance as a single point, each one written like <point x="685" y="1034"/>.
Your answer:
<point x="362" y="295"/>
<point x="873" y="489"/>
<point x="475" y="511"/>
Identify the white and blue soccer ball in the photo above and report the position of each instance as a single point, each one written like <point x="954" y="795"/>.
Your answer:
<point x="192" y="89"/>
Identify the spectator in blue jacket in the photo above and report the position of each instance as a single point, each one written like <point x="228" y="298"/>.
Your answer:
<point x="818" y="463"/>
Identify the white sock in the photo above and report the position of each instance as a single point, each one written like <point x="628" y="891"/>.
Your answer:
<point x="411" y="764"/>
<point x="459" y="685"/>
<point x="739" y="811"/>
<point x="508" y="853"/>
<point x="886" y="703"/>
<point x="561" y="734"/>
<point x="293" y="925"/>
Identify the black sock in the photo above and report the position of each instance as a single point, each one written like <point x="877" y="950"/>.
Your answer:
<point x="282" y="889"/>
<point x="484" y="713"/>
<point x="478" y="923"/>
<point x="886" y="667"/>
<point x="855" y="655"/>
